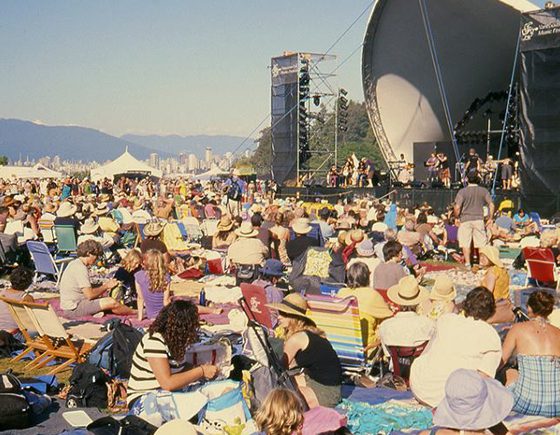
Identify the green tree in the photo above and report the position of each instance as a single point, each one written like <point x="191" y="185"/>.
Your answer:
<point x="3" y="160"/>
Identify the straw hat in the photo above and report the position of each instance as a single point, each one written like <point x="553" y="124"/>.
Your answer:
<point x="472" y="402"/>
<point x="153" y="229"/>
<point x="141" y="216"/>
<point x="354" y="236"/>
<point x="301" y="226"/>
<point x="225" y="223"/>
<point x="343" y="225"/>
<point x="407" y="292"/>
<point x="365" y="248"/>
<point x="8" y="201"/>
<point x="443" y="289"/>
<point x="493" y="254"/>
<point x="105" y="197"/>
<point x="246" y="230"/>
<point x="379" y="227"/>
<point x="101" y="208"/>
<point x="293" y="304"/>
<point x="66" y="209"/>
<point x="89" y="226"/>
<point x="50" y="207"/>
<point x="126" y="216"/>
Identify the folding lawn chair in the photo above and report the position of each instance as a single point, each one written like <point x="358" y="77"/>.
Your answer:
<point x="46" y="226"/>
<point x="66" y="242"/>
<point x="403" y="357"/>
<point x="340" y="319"/>
<point x="44" y="261"/>
<point x="256" y="298"/>
<point x="541" y="266"/>
<point x="33" y="343"/>
<point x="58" y="342"/>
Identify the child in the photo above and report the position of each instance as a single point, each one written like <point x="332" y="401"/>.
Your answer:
<point x="20" y="280"/>
<point x="152" y="285"/>
<point x="131" y="263"/>
<point x="280" y="413"/>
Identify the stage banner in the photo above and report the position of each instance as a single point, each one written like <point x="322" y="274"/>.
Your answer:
<point x="540" y="110"/>
<point x="284" y="99"/>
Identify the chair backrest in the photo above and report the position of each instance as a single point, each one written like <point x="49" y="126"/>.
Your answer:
<point x="255" y="297"/>
<point x="46" y="226"/>
<point x="42" y="258"/>
<point x="540" y="264"/>
<point x="65" y="238"/>
<point x="340" y="320"/>
<point x="20" y="316"/>
<point x="14" y="227"/>
<point x="403" y="357"/>
<point x="46" y="320"/>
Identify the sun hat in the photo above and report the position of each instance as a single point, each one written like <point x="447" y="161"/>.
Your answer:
<point x="246" y="230"/>
<point x="407" y="292"/>
<point x="431" y="219"/>
<point x="343" y="224"/>
<point x="379" y="227"/>
<point x="256" y="208"/>
<point x="301" y="226"/>
<point x="472" y="402"/>
<point x="236" y="172"/>
<point x="153" y="229"/>
<point x="293" y="304"/>
<point x="273" y="267"/>
<point x="365" y="248"/>
<point x="126" y="216"/>
<point x="176" y="426"/>
<point x="105" y="197"/>
<point x="66" y="209"/>
<point x="493" y="254"/>
<point x="141" y="216"/>
<point x="89" y="226"/>
<point x="8" y="201"/>
<point x="443" y="289"/>
<point x="50" y="207"/>
<point x="101" y="208"/>
<point x="225" y="224"/>
<point x="354" y="236"/>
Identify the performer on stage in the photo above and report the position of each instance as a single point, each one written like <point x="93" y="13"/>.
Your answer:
<point x="473" y="162"/>
<point x="507" y="173"/>
<point x="444" y="172"/>
<point x="432" y="164"/>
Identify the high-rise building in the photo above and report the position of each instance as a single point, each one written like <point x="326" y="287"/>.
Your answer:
<point x="193" y="162"/>
<point x="183" y="158"/>
<point x="154" y="160"/>
<point x="208" y="155"/>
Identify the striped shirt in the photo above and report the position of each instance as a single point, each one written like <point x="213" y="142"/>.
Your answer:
<point x="142" y="379"/>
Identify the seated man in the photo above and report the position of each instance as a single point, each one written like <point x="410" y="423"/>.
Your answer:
<point x="247" y="249"/>
<point x="78" y="298"/>
<point x="299" y="245"/>
<point x="409" y="237"/>
<point x="406" y="328"/>
<point x="388" y="273"/>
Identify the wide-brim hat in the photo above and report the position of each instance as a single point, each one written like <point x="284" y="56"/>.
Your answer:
<point x="225" y="224"/>
<point x="105" y="197"/>
<point x="154" y="229"/>
<point x="343" y="225"/>
<point x="273" y="267"/>
<point x="472" y="402"/>
<point x="141" y="216"/>
<point x="89" y="226"/>
<point x="8" y="201"/>
<point x="407" y="292"/>
<point x="66" y="209"/>
<point x="493" y="254"/>
<point x="293" y="304"/>
<point x="101" y="209"/>
<point x="354" y="236"/>
<point x="443" y="289"/>
<point x="246" y="230"/>
<point x="365" y="248"/>
<point x="301" y="226"/>
<point x="127" y="218"/>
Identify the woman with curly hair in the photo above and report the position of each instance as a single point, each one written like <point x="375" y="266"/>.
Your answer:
<point x="159" y="363"/>
<point x="280" y="413"/>
<point x="152" y="285"/>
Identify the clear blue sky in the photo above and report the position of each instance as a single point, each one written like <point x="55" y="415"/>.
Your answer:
<point x="162" y="67"/>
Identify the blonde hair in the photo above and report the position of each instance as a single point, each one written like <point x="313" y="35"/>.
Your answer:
<point x="298" y="324"/>
<point x="280" y="413"/>
<point x="131" y="260"/>
<point x="548" y="238"/>
<point x="154" y="265"/>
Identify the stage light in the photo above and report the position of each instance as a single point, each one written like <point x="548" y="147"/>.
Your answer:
<point x="343" y="91"/>
<point x="317" y="100"/>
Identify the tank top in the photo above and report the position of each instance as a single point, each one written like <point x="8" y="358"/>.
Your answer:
<point x="320" y="361"/>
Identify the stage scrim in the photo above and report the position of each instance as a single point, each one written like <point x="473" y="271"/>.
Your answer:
<point x="540" y="110"/>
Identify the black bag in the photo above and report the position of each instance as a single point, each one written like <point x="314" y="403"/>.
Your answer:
<point x="130" y="425"/>
<point x="88" y="387"/>
<point x="15" y="411"/>
<point x="114" y="350"/>
<point x="246" y="273"/>
<point x="8" y="344"/>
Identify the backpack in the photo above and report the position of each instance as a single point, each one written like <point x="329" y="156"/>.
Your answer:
<point x="15" y="411"/>
<point x="114" y="350"/>
<point x="88" y="387"/>
<point x="234" y="192"/>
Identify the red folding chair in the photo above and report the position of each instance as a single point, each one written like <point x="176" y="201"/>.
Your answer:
<point x="255" y="298"/>
<point x="403" y="357"/>
<point x="541" y="266"/>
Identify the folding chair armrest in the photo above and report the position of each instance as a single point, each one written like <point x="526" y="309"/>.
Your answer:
<point x="64" y="260"/>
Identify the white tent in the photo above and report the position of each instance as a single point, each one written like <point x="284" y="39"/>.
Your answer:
<point x="23" y="172"/>
<point x="126" y="163"/>
<point x="214" y="172"/>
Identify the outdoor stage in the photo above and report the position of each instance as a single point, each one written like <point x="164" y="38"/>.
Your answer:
<point x="439" y="199"/>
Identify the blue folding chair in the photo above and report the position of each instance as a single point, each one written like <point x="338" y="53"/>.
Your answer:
<point x="44" y="262"/>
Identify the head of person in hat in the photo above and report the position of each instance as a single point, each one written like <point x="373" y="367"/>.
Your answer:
<point x="66" y="210"/>
<point x="246" y="230"/>
<point x="407" y="294"/>
<point x="473" y="402"/>
<point x="496" y="277"/>
<point x="441" y="299"/>
<point x="307" y="346"/>
<point x="301" y="226"/>
<point x="102" y="209"/>
<point x="89" y="226"/>
<point x="154" y="229"/>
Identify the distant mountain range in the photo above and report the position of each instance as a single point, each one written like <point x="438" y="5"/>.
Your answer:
<point x="24" y="139"/>
<point x="188" y="144"/>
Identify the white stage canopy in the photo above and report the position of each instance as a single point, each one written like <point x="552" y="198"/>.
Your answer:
<point x="125" y="164"/>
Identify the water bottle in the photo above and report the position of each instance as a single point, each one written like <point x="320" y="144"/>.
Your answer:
<point x="202" y="298"/>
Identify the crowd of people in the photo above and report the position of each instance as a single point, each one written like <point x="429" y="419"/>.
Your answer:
<point x="369" y="249"/>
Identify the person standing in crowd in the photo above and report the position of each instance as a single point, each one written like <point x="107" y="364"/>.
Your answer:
<point x="469" y="208"/>
<point x="234" y="193"/>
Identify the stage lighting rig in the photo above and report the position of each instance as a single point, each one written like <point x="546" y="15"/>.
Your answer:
<point x="342" y="107"/>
